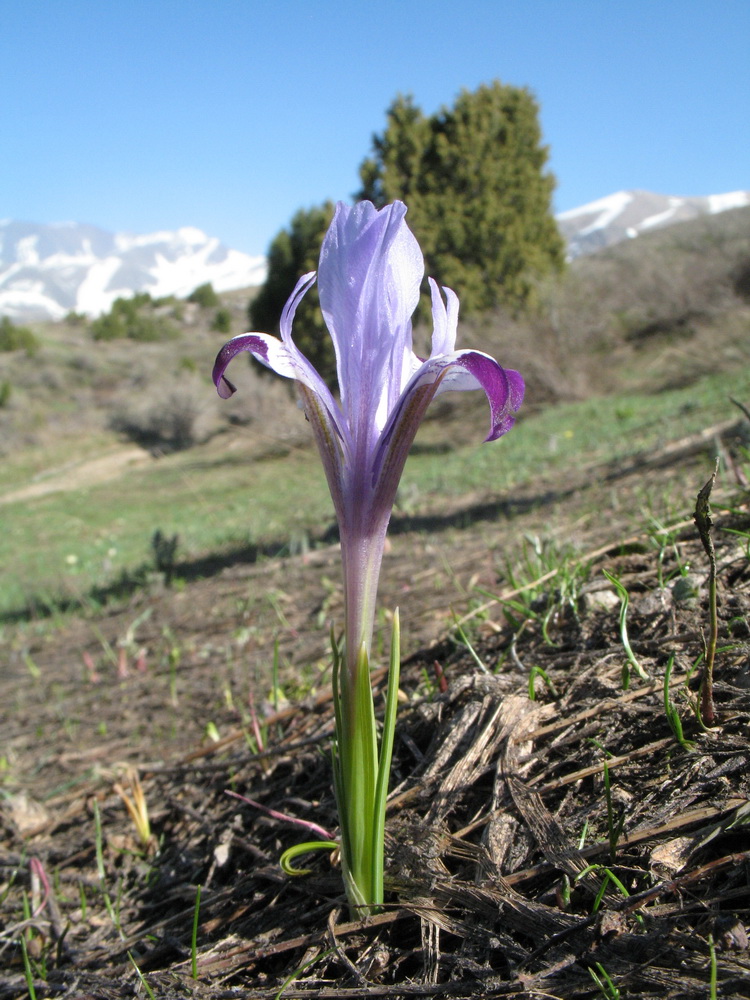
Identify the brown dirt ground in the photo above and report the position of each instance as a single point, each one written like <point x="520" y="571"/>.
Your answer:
<point x="510" y="870"/>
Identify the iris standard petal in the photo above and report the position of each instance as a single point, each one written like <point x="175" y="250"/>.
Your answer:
<point x="444" y="321"/>
<point x="370" y="270"/>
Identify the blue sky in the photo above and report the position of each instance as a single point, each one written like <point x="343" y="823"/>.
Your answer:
<point x="230" y="114"/>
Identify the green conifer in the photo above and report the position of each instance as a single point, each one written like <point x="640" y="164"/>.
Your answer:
<point x="473" y="178"/>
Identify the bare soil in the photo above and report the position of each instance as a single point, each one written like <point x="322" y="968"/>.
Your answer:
<point x="535" y="848"/>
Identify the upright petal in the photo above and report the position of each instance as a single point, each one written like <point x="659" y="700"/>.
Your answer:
<point x="444" y="322"/>
<point x="370" y="270"/>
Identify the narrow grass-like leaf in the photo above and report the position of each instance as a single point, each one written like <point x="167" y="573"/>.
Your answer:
<point x="298" y="972"/>
<point x="582" y="838"/>
<point x="712" y="957"/>
<point x="144" y="984"/>
<point x="384" y="763"/>
<point x="614" y="829"/>
<point x="606" y="987"/>
<point x="704" y="524"/>
<point x="465" y="640"/>
<point x="29" y="976"/>
<point x="540" y="672"/>
<point x="624" y="602"/>
<point x="671" y="712"/>
<point x="113" y="916"/>
<point x="294" y="852"/>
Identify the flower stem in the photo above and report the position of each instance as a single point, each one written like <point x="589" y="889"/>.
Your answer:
<point x="361" y="774"/>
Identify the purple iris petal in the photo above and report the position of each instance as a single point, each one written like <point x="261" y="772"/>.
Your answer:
<point x="370" y="271"/>
<point x="369" y="277"/>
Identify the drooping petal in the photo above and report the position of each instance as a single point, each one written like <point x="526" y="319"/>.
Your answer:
<point x="459" y="371"/>
<point x="370" y="270"/>
<point x="284" y="357"/>
<point x="503" y="387"/>
<point x="264" y="348"/>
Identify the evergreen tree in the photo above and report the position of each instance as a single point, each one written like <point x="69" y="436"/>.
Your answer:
<point x="294" y="252"/>
<point x="479" y="198"/>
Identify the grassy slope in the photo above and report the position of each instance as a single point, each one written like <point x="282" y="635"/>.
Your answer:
<point x="260" y="484"/>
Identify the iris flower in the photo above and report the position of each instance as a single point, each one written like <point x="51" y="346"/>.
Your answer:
<point x="369" y="277"/>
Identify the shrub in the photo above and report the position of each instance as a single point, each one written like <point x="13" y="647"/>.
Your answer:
<point x="204" y="296"/>
<point x="181" y="418"/>
<point x="475" y="178"/>
<point x="17" y="338"/>
<point x="222" y="321"/>
<point x="134" y="319"/>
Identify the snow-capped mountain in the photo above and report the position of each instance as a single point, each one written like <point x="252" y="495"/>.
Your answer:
<point x="626" y="214"/>
<point x="48" y="270"/>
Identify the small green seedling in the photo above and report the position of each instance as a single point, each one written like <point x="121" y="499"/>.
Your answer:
<point x="28" y="974"/>
<point x="540" y="672"/>
<point x="144" y="984"/>
<point x="631" y="658"/>
<point x="606" y="987"/>
<point x="671" y="712"/>
<point x="194" y="939"/>
<point x="99" y="841"/>
<point x="465" y="641"/>
<point x="614" y="828"/>
<point x="712" y="958"/>
<point x="317" y="957"/>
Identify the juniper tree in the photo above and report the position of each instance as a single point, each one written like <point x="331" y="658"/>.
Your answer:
<point x="474" y="179"/>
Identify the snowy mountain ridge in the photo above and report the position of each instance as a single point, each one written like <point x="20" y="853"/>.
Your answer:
<point x="626" y="214"/>
<point x="48" y="270"/>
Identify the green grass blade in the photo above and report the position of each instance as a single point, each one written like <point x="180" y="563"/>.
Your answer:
<point x="384" y="764"/>
<point x="144" y="984"/>
<point x="293" y="852"/>
<point x="624" y="602"/>
<point x="28" y="974"/>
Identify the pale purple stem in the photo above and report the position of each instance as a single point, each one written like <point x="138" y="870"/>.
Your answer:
<point x="284" y="817"/>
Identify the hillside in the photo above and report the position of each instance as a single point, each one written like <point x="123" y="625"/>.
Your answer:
<point x="560" y="824"/>
<point x="664" y="314"/>
<point x="625" y="215"/>
<point x="683" y="289"/>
